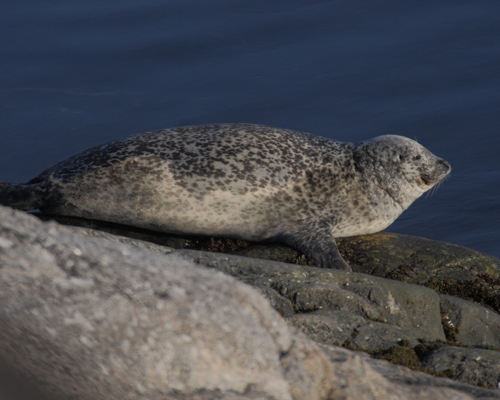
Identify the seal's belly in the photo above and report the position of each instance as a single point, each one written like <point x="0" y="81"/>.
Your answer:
<point x="168" y="207"/>
<point x="217" y="213"/>
<point x="364" y="227"/>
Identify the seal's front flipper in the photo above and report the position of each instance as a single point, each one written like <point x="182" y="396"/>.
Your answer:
<point x="330" y="259"/>
<point x="326" y="255"/>
<point x="321" y="246"/>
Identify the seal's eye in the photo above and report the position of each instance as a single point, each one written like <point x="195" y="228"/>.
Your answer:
<point x="417" y="157"/>
<point x="401" y="157"/>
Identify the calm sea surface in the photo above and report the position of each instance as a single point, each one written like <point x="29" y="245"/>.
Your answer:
<point x="78" y="73"/>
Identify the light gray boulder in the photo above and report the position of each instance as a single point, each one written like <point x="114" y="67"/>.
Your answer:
<point x="85" y="318"/>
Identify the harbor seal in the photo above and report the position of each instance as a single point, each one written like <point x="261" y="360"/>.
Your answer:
<point x="243" y="181"/>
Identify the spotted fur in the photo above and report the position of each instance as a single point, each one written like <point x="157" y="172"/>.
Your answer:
<point x="238" y="180"/>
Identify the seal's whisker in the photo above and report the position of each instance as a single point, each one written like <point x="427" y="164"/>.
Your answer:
<point x="436" y="187"/>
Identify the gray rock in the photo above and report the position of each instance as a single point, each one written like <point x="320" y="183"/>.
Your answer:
<point x="85" y="318"/>
<point x="464" y="314"/>
<point x="443" y="267"/>
<point x="477" y="325"/>
<point x="394" y="382"/>
<point x="81" y="318"/>
<point x="331" y="327"/>
<point x="376" y="335"/>
<point x="470" y="365"/>
<point x="116" y="232"/>
<point x="142" y="244"/>
<point x="415" y="259"/>
<point x="334" y="327"/>
<point x="400" y="375"/>
<point x="410" y="311"/>
<point x="278" y="302"/>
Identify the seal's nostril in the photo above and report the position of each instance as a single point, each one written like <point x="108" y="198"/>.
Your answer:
<point x="445" y="164"/>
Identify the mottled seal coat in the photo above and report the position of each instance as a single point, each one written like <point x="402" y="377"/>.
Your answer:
<point x="238" y="180"/>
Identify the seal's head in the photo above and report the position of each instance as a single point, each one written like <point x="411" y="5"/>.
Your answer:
<point x="400" y="167"/>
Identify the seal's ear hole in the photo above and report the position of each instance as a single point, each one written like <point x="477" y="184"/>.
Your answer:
<point x="401" y="157"/>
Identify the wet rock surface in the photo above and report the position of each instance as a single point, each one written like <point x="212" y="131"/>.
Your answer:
<point x="422" y="298"/>
<point x="84" y="318"/>
<point x="384" y="304"/>
<point x="475" y="325"/>
<point x="470" y="365"/>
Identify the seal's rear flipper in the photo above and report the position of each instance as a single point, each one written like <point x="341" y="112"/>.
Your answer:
<point x="21" y="197"/>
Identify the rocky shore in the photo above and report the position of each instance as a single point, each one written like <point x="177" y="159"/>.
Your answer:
<point x="130" y="314"/>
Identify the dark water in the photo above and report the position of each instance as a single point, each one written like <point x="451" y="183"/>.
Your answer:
<point x="78" y="73"/>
